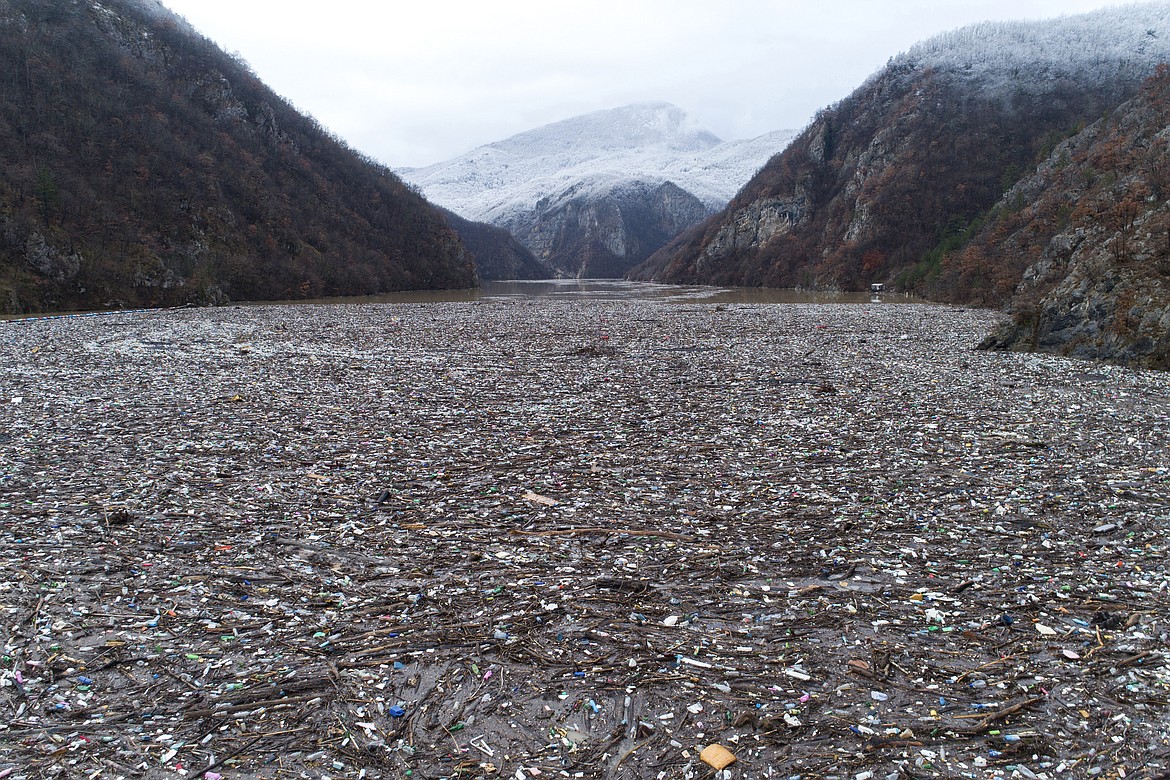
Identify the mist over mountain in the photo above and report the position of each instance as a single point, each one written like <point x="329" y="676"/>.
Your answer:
<point x="597" y="193"/>
<point x="143" y="166"/>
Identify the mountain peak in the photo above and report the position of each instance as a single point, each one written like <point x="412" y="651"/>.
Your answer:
<point x="652" y="141"/>
<point x="888" y="184"/>
<point x="636" y="126"/>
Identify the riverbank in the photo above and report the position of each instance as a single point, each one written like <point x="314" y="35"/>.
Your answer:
<point x="524" y="537"/>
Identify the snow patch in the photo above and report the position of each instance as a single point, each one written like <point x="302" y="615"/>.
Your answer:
<point x="1098" y="46"/>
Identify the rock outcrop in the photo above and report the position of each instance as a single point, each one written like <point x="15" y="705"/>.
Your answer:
<point x="1088" y="237"/>
<point x="753" y="226"/>
<point x="596" y="231"/>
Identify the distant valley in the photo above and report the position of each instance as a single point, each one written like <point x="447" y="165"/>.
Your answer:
<point x="594" y="195"/>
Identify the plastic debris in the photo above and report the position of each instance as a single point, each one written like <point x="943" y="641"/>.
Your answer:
<point x="321" y="550"/>
<point x="717" y="756"/>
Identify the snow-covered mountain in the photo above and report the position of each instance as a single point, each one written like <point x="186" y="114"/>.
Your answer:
<point x="650" y="142"/>
<point x="1111" y="43"/>
<point x="539" y="183"/>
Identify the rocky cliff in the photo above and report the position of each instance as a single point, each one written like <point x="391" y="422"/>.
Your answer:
<point x="1084" y="242"/>
<point x="601" y="230"/>
<point x="882" y="183"/>
<point x="141" y="166"/>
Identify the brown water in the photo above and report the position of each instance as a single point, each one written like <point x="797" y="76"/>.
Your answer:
<point x="619" y="289"/>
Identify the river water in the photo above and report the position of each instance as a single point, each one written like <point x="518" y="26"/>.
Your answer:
<point x="569" y="289"/>
<point x="619" y="289"/>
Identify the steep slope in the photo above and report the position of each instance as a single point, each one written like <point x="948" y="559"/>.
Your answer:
<point x="497" y="254"/>
<point x="877" y="183"/>
<point x="1089" y="236"/>
<point x="604" y="225"/>
<point x="140" y="165"/>
<point x="546" y="185"/>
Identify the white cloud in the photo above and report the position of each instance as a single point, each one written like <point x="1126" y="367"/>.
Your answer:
<point x="414" y="83"/>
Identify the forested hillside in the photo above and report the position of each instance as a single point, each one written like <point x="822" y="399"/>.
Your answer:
<point x="497" y="254"/>
<point x="140" y="165"/>
<point x="881" y="185"/>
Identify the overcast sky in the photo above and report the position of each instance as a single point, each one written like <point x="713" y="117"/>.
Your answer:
<point x="412" y="83"/>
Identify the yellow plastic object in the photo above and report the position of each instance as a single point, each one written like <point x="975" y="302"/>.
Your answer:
<point x="717" y="756"/>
